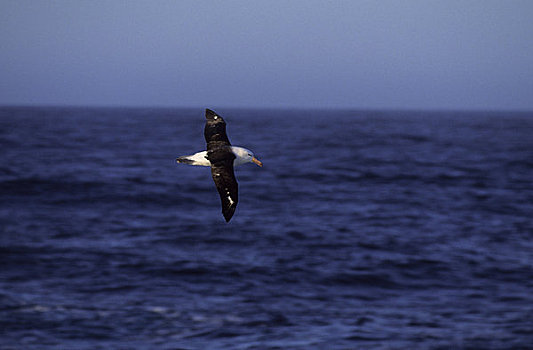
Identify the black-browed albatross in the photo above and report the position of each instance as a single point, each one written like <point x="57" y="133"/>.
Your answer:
<point x="221" y="156"/>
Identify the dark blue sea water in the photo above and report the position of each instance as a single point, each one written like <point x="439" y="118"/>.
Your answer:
<point x="374" y="230"/>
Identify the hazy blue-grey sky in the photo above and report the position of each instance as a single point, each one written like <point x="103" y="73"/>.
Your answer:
<point x="333" y="54"/>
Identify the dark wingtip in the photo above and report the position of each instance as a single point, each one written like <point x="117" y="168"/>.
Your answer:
<point x="209" y="112"/>
<point x="228" y="214"/>
<point x="212" y="116"/>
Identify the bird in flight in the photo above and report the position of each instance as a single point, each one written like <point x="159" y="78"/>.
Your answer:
<point x="221" y="156"/>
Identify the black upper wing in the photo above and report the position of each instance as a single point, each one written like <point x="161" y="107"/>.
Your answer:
<point x="221" y="158"/>
<point x="224" y="177"/>
<point x="215" y="129"/>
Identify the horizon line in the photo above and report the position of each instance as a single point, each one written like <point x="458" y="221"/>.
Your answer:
<point x="275" y="108"/>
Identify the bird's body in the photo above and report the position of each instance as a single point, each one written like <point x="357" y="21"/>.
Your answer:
<point x="221" y="156"/>
<point x="242" y="156"/>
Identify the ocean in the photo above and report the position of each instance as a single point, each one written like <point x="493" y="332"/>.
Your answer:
<point x="363" y="230"/>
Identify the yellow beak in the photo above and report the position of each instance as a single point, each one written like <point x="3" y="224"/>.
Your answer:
<point x="257" y="161"/>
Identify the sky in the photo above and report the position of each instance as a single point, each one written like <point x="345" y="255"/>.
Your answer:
<point x="375" y="54"/>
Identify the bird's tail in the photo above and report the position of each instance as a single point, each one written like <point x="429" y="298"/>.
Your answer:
<point x="185" y="160"/>
<point x="199" y="158"/>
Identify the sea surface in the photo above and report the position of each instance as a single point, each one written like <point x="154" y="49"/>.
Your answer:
<point x="363" y="230"/>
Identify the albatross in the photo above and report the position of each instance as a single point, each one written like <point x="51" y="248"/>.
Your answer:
<point x="221" y="156"/>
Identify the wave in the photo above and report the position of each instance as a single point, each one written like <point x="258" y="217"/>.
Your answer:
<point x="57" y="191"/>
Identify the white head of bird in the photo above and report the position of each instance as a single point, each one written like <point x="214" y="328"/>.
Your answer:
<point x="244" y="156"/>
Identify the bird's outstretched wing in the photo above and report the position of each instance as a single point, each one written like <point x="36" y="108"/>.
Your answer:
<point x="221" y="157"/>
<point x="215" y="130"/>
<point x="224" y="177"/>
